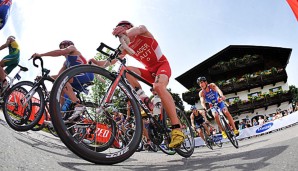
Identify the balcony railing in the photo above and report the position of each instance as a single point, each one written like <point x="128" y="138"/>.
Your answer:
<point x="250" y="83"/>
<point x="260" y="103"/>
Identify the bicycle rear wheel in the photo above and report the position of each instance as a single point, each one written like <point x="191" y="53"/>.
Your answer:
<point x="187" y="147"/>
<point x="93" y="136"/>
<point x="17" y="106"/>
<point x="230" y="134"/>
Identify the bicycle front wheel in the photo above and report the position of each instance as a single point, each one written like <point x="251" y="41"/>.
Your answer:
<point x="93" y="135"/>
<point x="230" y="134"/>
<point x="208" y="140"/>
<point x="17" y="106"/>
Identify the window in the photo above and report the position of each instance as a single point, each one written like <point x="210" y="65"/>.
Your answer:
<point x="275" y="89"/>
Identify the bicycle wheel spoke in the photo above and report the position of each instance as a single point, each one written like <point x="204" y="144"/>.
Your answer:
<point x="88" y="128"/>
<point x="17" y="110"/>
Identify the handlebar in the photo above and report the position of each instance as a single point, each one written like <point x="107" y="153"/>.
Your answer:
<point x="41" y="62"/>
<point x="43" y="70"/>
<point x="124" y="40"/>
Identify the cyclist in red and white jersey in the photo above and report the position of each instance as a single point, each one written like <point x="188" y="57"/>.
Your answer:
<point x="157" y="71"/>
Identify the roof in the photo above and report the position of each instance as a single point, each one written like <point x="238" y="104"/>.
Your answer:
<point x="188" y="79"/>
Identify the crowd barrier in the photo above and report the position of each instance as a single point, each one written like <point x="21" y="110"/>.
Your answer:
<point x="258" y="130"/>
<point x="103" y="132"/>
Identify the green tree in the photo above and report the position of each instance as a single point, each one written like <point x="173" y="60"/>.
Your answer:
<point x="178" y="101"/>
<point x="294" y="91"/>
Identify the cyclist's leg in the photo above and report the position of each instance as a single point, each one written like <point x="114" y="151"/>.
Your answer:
<point x="199" y="131"/>
<point x="227" y="114"/>
<point x="4" y="62"/>
<point x="216" y="117"/>
<point x="134" y="82"/>
<point x="167" y="101"/>
<point x="206" y="128"/>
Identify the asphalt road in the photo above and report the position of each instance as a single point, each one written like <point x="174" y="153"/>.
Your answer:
<point x="41" y="151"/>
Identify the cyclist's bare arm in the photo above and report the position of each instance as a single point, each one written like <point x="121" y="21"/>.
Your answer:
<point x="140" y="30"/>
<point x="202" y="99"/>
<point x="60" y="52"/>
<point x="215" y="88"/>
<point x="5" y="45"/>
<point x="204" y="115"/>
<point x="192" y="121"/>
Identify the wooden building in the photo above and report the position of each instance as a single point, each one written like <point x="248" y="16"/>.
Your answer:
<point x="253" y="79"/>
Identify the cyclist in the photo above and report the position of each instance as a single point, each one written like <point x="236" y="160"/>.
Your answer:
<point x="210" y="93"/>
<point x="197" y="118"/>
<point x="73" y="57"/>
<point x="157" y="71"/>
<point x="11" y="60"/>
<point x="118" y="117"/>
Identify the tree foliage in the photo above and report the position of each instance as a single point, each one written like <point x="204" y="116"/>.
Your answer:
<point x="294" y="91"/>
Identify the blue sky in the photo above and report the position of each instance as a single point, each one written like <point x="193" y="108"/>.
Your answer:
<point x="188" y="31"/>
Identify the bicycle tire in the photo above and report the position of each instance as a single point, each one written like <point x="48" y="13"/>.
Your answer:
<point x="187" y="147"/>
<point x="229" y="132"/>
<point x="208" y="142"/>
<point x="217" y="142"/>
<point x="140" y="147"/>
<point x="11" y="100"/>
<point x="39" y="127"/>
<point x="111" y="155"/>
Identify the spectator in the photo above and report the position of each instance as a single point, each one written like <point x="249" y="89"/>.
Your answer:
<point x="254" y="122"/>
<point x="270" y="118"/>
<point x="278" y="114"/>
<point x="242" y="125"/>
<point x="248" y="124"/>
<point x="261" y="121"/>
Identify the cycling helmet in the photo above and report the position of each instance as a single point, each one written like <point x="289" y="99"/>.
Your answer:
<point x="193" y="107"/>
<point x="122" y="23"/>
<point x="65" y="43"/>
<point x="115" y="110"/>
<point x="201" y="79"/>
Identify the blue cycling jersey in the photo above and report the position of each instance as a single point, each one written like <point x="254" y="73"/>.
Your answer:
<point x="211" y="96"/>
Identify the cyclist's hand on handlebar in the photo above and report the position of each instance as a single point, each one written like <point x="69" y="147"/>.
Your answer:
<point x="119" y="31"/>
<point x="35" y="55"/>
<point x="91" y="62"/>
<point x="223" y="97"/>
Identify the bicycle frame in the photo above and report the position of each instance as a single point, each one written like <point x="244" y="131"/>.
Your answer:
<point x="121" y="75"/>
<point x="38" y="83"/>
<point x="12" y="79"/>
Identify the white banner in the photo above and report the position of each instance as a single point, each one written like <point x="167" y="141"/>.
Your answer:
<point x="257" y="130"/>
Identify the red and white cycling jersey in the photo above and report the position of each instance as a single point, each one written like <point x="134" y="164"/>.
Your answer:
<point x="149" y="53"/>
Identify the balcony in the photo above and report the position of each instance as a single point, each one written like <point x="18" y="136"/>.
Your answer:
<point x="250" y="81"/>
<point x="235" y="64"/>
<point x="268" y="100"/>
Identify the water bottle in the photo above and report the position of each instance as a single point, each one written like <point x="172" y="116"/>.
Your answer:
<point x="156" y="105"/>
<point x="144" y="98"/>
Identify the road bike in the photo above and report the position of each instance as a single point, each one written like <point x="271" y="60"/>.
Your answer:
<point x="225" y="124"/>
<point x="11" y="81"/>
<point x="19" y="100"/>
<point x="210" y="140"/>
<point x="107" y="90"/>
